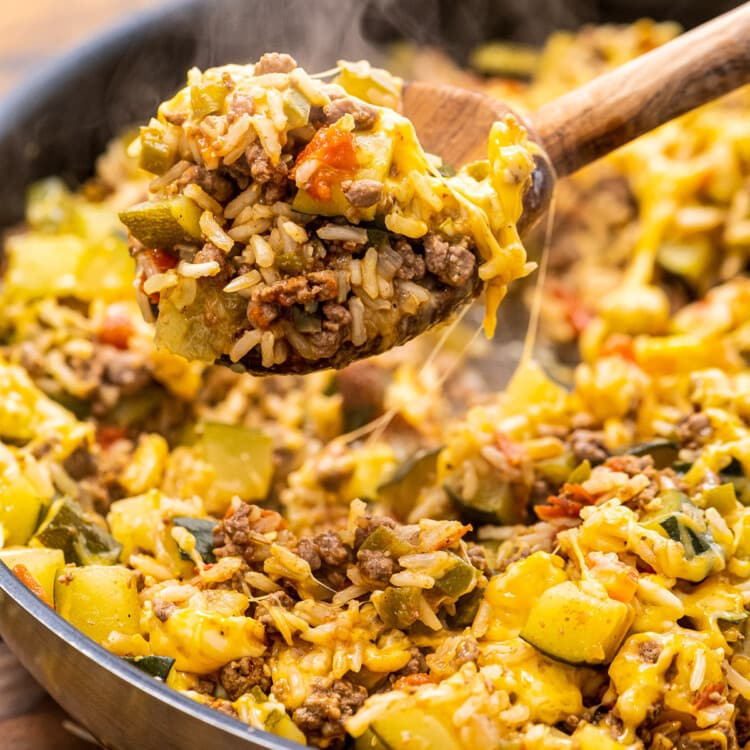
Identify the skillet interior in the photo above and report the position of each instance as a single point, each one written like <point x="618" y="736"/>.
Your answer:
<point x="58" y="122"/>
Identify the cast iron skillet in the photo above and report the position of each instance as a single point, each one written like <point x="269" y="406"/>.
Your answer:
<point x="59" y="121"/>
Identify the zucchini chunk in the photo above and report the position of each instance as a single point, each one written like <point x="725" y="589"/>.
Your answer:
<point x="161" y="224"/>
<point x="83" y="542"/>
<point x="577" y="624"/>
<point x="202" y="530"/>
<point x="42" y="564"/>
<point x="409" y="729"/>
<point x="156" y="666"/>
<point x="99" y="599"/>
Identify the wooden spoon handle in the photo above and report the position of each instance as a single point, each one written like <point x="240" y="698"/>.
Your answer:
<point x="617" y="107"/>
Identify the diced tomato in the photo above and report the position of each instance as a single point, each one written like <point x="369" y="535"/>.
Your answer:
<point x="412" y="681"/>
<point x="24" y="575"/>
<point x="106" y="435"/>
<point x="576" y="314"/>
<point x="619" y="345"/>
<point x="332" y="149"/>
<point x="116" y="328"/>
<point x="568" y="504"/>
<point x="620" y="580"/>
<point x="708" y="695"/>
<point x="161" y="260"/>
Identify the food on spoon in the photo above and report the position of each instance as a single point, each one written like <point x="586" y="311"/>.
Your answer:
<point x="296" y="225"/>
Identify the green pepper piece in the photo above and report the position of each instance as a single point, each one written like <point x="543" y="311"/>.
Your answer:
<point x="304" y="322"/>
<point x="157" y="156"/>
<point x="466" y="610"/>
<point x="203" y="531"/>
<point x="156" y="666"/>
<point x="664" y="452"/>
<point x="458" y="580"/>
<point x="164" y="223"/>
<point x="580" y="474"/>
<point x="296" y="109"/>
<point x="207" y="98"/>
<point x="294" y="263"/>
<point x="83" y="542"/>
<point x="384" y="539"/>
<point x="401" y="490"/>
<point x="398" y="607"/>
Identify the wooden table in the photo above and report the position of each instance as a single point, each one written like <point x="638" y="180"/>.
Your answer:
<point x="32" y="34"/>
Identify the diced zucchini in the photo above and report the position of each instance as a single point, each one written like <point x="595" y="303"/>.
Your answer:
<point x="163" y="223"/>
<point x="156" y="666"/>
<point x="83" y="542"/>
<point x="664" y="452"/>
<point x="400" y="492"/>
<point x="369" y="741"/>
<point x="202" y="530"/>
<point x="493" y="502"/>
<point x="577" y="624"/>
<point x="384" y="539"/>
<point x="156" y="154"/>
<point x="242" y="458"/>
<point x="207" y="98"/>
<point x="398" y="607"/>
<point x="411" y="728"/>
<point x="458" y="579"/>
<point x="581" y="473"/>
<point x="735" y="474"/>
<point x="21" y="506"/>
<point x="279" y="723"/>
<point x="296" y="109"/>
<point x="99" y="599"/>
<point x="681" y="521"/>
<point x="337" y="205"/>
<point x="184" y="331"/>
<point x="556" y="470"/>
<point x="41" y="563"/>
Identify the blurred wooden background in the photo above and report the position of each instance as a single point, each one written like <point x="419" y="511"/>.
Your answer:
<point x="32" y="34"/>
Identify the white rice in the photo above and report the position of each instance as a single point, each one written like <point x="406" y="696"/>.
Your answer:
<point x="269" y="137"/>
<point x="243" y="200"/>
<point x="267" y="341"/>
<point x="357" y="310"/>
<point x="198" y="270"/>
<point x="160" y="281"/>
<point x="214" y="233"/>
<point x="200" y="197"/>
<point x="344" y="233"/>
<point x="173" y="173"/>
<point x="370" y="273"/>
<point x="355" y="272"/>
<point x="313" y="90"/>
<point x="244" y="281"/>
<point x="264" y="254"/>
<point x="244" y="232"/>
<point x="295" y="231"/>
<point x="244" y="344"/>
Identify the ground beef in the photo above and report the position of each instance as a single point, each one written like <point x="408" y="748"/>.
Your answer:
<point x="213" y="183"/>
<point x="262" y="314"/>
<point x="162" y="609"/>
<point x="237" y="535"/>
<point x="337" y="317"/>
<point x="376" y="565"/>
<point x="209" y="252"/>
<point x="367" y="524"/>
<point x="452" y="264"/>
<point x="588" y="445"/>
<point x="274" y="62"/>
<point x="693" y="430"/>
<point x="317" y="286"/>
<point x="239" y="676"/>
<point x="412" y="267"/>
<point x="649" y="651"/>
<point x="327" y="556"/>
<point x="262" y="170"/>
<point x="362" y="193"/>
<point x="365" y="115"/>
<point x="240" y="104"/>
<point x="477" y="557"/>
<point x="321" y="717"/>
<point x="326" y="343"/>
<point x="80" y="463"/>
<point x="415" y="665"/>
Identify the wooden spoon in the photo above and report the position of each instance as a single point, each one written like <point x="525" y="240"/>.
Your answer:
<point x="596" y="118"/>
